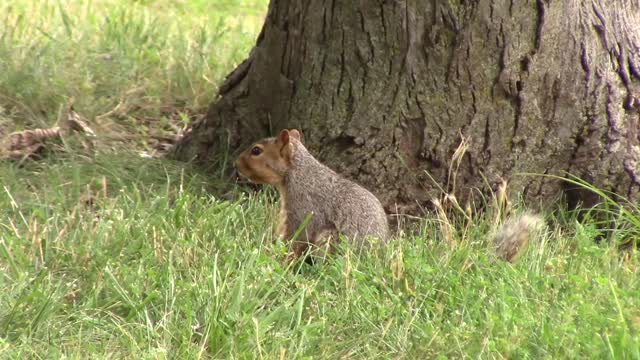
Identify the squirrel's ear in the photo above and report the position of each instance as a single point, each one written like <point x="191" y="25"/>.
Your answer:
<point x="283" y="138"/>
<point x="286" y="147"/>
<point x="295" y="133"/>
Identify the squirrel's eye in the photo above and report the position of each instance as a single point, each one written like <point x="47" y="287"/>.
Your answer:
<point x="256" y="151"/>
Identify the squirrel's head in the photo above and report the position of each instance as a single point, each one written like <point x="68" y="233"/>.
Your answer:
<point x="268" y="160"/>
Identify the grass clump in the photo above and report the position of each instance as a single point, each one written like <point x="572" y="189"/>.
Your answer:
<point x="135" y="258"/>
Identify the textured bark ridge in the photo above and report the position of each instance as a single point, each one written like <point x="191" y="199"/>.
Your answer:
<point x="384" y="91"/>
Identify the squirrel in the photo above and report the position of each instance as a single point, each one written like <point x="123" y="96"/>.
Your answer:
<point x="316" y="204"/>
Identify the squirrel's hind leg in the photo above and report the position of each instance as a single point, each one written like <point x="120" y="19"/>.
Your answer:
<point x="321" y="246"/>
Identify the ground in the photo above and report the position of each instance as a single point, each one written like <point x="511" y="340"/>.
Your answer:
<point x="105" y="253"/>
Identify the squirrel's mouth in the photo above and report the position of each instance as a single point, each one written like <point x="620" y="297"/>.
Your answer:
<point x="235" y="175"/>
<point x="242" y="179"/>
<point x="239" y="177"/>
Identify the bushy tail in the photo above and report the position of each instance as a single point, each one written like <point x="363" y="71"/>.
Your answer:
<point x="512" y="237"/>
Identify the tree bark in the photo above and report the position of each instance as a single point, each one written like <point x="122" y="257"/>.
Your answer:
<point x="384" y="91"/>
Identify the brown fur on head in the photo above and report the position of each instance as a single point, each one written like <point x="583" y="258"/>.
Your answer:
<point x="268" y="160"/>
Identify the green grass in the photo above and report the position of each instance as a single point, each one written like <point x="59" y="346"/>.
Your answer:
<point x="157" y="267"/>
<point x="160" y="60"/>
<point x="109" y="255"/>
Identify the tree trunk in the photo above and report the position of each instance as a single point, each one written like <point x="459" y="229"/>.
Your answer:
<point x="384" y="91"/>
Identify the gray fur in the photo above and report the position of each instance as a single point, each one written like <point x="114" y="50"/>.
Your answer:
<point x="336" y="204"/>
<point x="513" y="236"/>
